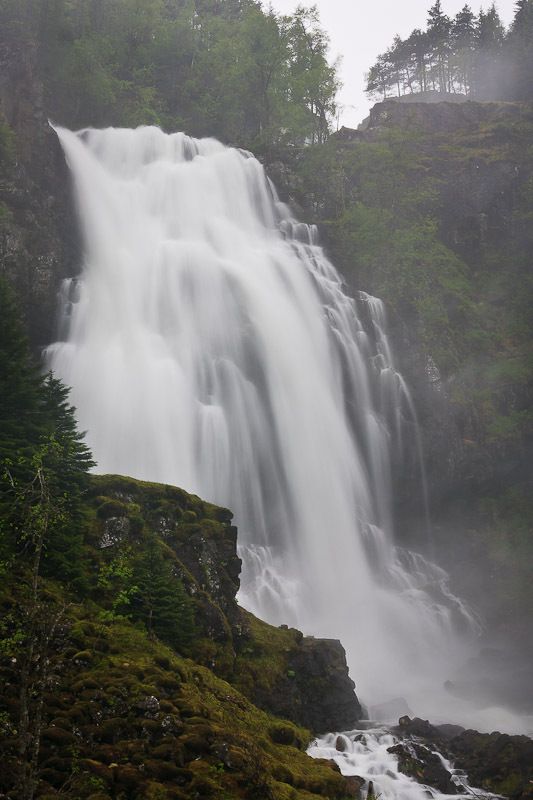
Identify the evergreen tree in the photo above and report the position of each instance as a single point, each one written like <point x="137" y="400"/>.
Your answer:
<point x="418" y="43"/>
<point x="162" y="603"/>
<point x="463" y="33"/>
<point x="379" y="79"/>
<point x="439" y="28"/>
<point x="489" y="77"/>
<point x="39" y="445"/>
<point x="519" y="51"/>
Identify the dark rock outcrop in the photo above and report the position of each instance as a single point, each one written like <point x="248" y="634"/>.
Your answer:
<point x="420" y="763"/>
<point x="39" y="241"/>
<point x="496" y="762"/>
<point x="440" y="116"/>
<point x="296" y="677"/>
<point x="327" y="699"/>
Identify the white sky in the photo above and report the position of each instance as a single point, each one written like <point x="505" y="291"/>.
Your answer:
<point x="360" y="30"/>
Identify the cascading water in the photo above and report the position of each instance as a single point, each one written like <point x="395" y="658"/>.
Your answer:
<point x="209" y="344"/>
<point x="367" y="754"/>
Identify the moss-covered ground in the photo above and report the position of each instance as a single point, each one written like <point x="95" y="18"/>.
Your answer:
<point x="129" y="710"/>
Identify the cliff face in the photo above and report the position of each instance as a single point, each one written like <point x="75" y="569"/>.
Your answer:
<point x="38" y="229"/>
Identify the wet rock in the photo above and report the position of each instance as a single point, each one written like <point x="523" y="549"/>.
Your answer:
<point x="327" y="693"/>
<point x="340" y="744"/>
<point x="40" y="243"/>
<point x="449" y="731"/>
<point x="425" y="766"/>
<point x="116" y="530"/>
<point x="417" y="727"/>
<point x="354" y="785"/>
<point x="149" y="706"/>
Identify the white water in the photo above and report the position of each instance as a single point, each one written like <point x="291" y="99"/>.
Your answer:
<point x="209" y="344"/>
<point x="366" y="753"/>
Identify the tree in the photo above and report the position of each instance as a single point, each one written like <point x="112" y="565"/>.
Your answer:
<point x="463" y="33"/>
<point x="519" y="51"/>
<point x="380" y="78"/>
<point x="43" y="475"/>
<point x="38" y="436"/>
<point x="311" y="83"/>
<point x="29" y="637"/>
<point x="489" y="76"/>
<point x="161" y="601"/>
<point x="438" y="31"/>
<point x="419" y="45"/>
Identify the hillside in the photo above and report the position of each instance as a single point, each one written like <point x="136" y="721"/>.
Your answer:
<point x="145" y="671"/>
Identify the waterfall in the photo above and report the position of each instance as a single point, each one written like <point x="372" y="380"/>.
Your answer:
<point x="209" y="343"/>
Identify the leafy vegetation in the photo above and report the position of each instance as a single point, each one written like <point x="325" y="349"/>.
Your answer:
<point x="227" y="69"/>
<point x="469" y="54"/>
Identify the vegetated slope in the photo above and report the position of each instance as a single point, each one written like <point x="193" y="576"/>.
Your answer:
<point x="125" y="706"/>
<point x="430" y="208"/>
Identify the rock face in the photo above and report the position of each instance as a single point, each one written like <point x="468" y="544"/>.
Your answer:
<point x="417" y="761"/>
<point x="495" y="761"/>
<point x="39" y="243"/>
<point x="438" y="116"/>
<point x="299" y="678"/>
<point x="327" y="700"/>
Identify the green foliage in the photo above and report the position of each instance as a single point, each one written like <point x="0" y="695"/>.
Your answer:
<point x="118" y="711"/>
<point x="225" y="69"/>
<point x="470" y="55"/>
<point x="39" y="447"/>
<point x="161" y="602"/>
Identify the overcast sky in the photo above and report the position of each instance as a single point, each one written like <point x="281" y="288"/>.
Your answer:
<point x="361" y="29"/>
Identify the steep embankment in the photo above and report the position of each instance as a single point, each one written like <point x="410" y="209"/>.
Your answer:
<point x="430" y="208"/>
<point x="153" y="670"/>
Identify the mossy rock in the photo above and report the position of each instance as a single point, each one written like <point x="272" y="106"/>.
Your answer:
<point x="112" y="508"/>
<point x="285" y="734"/>
<point x="58" y="737"/>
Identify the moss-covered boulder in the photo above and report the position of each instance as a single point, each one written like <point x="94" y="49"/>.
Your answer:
<point x="298" y="677"/>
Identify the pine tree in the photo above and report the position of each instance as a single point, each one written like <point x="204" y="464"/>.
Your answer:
<point x="418" y="42"/>
<point x="39" y="445"/>
<point x="519" y="51"/>
<point x="489" y="77"/>
<point x="162" y="602"/>
<point x="463" y="33"/>
<point x="439" y="27"/>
